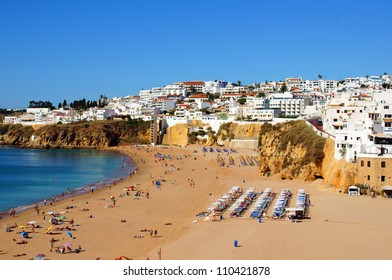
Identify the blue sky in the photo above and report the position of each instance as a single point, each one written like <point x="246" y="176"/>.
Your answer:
<point x="56" y="50"/>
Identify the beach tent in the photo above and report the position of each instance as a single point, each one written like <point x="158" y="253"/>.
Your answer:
<point x="297" y="212"/>
<point x="354" y="190"/>
<point x="387" y="191"/>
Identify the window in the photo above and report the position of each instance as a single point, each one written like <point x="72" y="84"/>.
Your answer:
<point x="383" y="164"/>
<point x="382" y="178"/>
<point x="368" y="163"/>
<point x="368" y="177"/>
<point x="386" y="107"/>
<point x="362" y="163"/>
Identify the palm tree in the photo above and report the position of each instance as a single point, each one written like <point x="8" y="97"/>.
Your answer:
<point x="320" y="76"/>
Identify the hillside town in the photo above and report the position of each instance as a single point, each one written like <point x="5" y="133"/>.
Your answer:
<point x="355" y="112"/>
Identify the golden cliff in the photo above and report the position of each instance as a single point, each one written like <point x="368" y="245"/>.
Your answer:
<point x="81" y="135"/>
<point x="338" y="173"/>
<point x="293" y="150"/>
<point x="176" y="135"/>
<point x="230" y="131"/>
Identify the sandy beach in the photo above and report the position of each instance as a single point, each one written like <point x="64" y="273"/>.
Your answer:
<point x="138" y="227"/>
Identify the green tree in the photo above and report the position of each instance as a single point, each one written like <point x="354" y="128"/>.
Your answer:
<point x="283" y="88"/>
<point x="239" y="83"/>
<point x="242" y="100"/>
<point x="320" y="76"/>
<point x="41" y="104"/>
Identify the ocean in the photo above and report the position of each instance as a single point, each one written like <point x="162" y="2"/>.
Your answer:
<point x="28" y="176"/>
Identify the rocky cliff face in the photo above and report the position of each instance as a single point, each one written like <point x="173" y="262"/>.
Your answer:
<point x="84" y="135"/>
<point x="176" y="135"/>
<point x="231" y="131"/>
<point x="338" y="173"/>
<point x="291" y="150"/>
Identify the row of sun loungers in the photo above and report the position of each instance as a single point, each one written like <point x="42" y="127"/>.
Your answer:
<point x="225" y="200"/>
<point x="262" y="203"/>
<point x="301" y="199"/>
<point x="300" y="208"/>
<point x="218" y="150"/>
<point x="281" y="203"/>
<point x="243" y="203"/>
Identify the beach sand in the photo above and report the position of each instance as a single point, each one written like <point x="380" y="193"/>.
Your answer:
<point x="339" y="226"/>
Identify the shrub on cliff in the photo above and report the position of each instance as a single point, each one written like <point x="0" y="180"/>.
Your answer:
<point x="297" y="133"/>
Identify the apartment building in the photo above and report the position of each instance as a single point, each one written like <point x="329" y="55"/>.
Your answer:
<point x="193" y="86"/>
<point x="214" y="87"/>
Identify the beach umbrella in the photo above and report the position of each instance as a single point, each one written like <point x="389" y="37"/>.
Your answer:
<point x="51" y="213"/>
<point x="69" y="234"/>
<point x="39" y="257"/>
<point x="22" y="226"/>
<point x="32" y="222"/>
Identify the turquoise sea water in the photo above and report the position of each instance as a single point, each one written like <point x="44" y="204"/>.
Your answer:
<point x="28" y="176"/>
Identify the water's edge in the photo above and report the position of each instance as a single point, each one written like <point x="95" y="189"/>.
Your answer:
<point x="130" y="168"/>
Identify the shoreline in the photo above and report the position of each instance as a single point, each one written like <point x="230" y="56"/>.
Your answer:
<point x="78" y="191"/>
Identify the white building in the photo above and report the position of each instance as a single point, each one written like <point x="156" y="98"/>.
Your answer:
<point x="231" y="89"/>
<point x="163" y="103"/>
<point x="104" y="114"/>
<point x="360" y="126"/>
<point x="175" y="89"/>
<point x="214" y="87"/>
<point x="285" y="102"/>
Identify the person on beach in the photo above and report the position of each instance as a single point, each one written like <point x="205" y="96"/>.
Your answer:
<point x="113" y="200"/>
<point x="52" y="241"/>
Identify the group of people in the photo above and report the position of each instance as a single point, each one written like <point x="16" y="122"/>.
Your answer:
<point x="153" y="233"/>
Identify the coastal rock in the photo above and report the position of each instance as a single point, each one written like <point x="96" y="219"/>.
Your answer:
<point x="291" y="151"/>
<point x="230" y="131"/>
<point x="338" y="173"/>
<point x="176" y="135"/>
<point x="81" y="135"/>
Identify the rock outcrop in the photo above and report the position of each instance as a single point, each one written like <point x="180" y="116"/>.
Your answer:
<point x="81" y="135"/>
<point x="291" y="150"/>
<point x="338" y="173"/>
<point x="233" y="130"/>
<point x="176" y="135"/>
